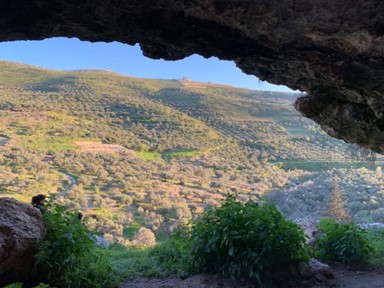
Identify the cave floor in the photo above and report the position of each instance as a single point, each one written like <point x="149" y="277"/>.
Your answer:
<point x="344" y="278"/>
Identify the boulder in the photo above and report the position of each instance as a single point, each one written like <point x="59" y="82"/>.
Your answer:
<point x="20" y="228"/>
<point x="101" y="241"/>
<point x="316" y="269"/>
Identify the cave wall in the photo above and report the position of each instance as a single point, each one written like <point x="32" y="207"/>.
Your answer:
<point x="331" y="49"/>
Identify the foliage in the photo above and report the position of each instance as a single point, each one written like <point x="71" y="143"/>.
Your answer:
<point x="346" y="243"/>
<point x="193" y="146"/>
<point x="170" y="258"/>
<point x="20" y="285"/>
<point x="336" y="206"/>
<point x="376" y="239"/>
<point x="247" y="240"/>
<point x="305" y="195"/>
<point x="149" y="155"/>
<point x="169" y="155"/>
<point x="135" y="262"/>
<point x="14" y="285"/>
<point x="68" y="256"/>
<point x="144" y="237"/>
<point x="185" y="137"/>
<point x="175" y="253"/>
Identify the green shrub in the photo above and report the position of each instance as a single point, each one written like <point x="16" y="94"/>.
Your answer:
<point x="174" y="254"/>
<point x="69" y="257"/>
<point x="42" y="285"/>
<point x="345" y="243"/>
<point x="14" y="285"/>
<point x="376" y="239"/>
<point x="20" y="285"/>
<point x="247" y="240"/>
<point x="167" y="259"/>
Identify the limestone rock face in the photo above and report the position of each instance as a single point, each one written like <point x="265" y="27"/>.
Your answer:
<point x="331" y="49"/>
<point x="20" y="227"/>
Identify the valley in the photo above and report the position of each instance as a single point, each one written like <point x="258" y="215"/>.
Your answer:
<point x="131" y="152"/>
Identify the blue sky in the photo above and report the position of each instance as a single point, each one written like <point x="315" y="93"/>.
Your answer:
<point x="73" y="54"/>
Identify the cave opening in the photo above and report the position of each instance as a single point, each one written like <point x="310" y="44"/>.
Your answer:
<point x="142" y="156"/>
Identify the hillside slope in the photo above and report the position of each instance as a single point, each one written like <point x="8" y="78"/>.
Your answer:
<point x="155" y="153"/>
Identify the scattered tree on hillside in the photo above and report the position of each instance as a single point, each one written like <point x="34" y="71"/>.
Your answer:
<point x="144" y="237"/>
<point x="336" y="206"/>
<point x="361" y="154"/>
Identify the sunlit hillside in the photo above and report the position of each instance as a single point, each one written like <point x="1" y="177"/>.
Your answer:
<point x="133" y="152"/>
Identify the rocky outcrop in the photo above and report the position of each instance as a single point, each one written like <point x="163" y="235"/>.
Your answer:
<point x="315" y="269"/>
<point x="20" y="227"/>
<point x="331" y="49"/>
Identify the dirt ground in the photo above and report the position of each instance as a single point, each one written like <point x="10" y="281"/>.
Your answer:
<point x="198" y="281"/>
<point x="344" y="278"/>
<point x="97" y="147"/>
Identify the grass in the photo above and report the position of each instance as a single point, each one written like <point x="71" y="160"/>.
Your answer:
<point x="132" y="229"/>
<point x="131" y="262"/>
<point x="149" y="155"/>
<point x="107" y="212"/>
<point x="157" y="261"/>
<point x="48" y="143"/>
<point x="180" y="153"/>
<point x="60" y="117"/>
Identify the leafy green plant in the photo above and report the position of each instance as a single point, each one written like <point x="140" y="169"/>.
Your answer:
<point x="14" y="285"/>
<point x="174" y="254"/>
<point x="376" y="239"/>
<point x="68" y="256"/>
<point x="20" y="285"/>
<point x="167" y="259"/>
<point x="247" y="240"/>
<point x="346" y="243"/>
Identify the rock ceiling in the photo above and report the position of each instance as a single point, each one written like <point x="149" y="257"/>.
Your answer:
<point x="331" y="49"/>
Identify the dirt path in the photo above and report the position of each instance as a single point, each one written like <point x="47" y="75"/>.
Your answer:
<point x="344" y="278"/>
<point x="72" y="181"/>
<point x="197" y="281"/>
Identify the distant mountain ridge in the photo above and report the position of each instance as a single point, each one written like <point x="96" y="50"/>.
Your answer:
<point x="8" y="67"/>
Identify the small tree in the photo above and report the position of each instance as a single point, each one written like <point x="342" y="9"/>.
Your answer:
<point x="346" y="243"/>
<point x="336" y="206"/>
<point x="144" y="237"/>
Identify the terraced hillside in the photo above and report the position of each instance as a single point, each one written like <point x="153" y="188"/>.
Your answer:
<point x="133" y="152"/>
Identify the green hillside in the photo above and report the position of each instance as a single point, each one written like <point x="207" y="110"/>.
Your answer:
<point x="154" y="153"/>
